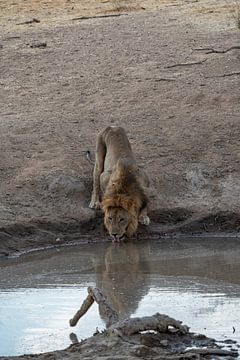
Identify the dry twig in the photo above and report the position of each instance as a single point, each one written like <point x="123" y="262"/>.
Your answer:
<point x="186" y="64"/>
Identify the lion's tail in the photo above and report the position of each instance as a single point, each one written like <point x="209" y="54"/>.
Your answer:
<point x="88" y="156"/>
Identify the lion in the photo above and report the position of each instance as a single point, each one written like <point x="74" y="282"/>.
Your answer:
<point x="122" y="183"/>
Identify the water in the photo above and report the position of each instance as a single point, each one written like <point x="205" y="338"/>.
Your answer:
<point x="194" y="280"/>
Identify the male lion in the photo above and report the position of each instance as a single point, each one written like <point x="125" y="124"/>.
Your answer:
<point x="123" y="184"/>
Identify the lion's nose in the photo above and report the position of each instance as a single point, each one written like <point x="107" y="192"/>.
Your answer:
<point x="114" y="235"/>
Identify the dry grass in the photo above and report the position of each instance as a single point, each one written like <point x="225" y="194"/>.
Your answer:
<point x="125" y="6"/>
<point x="237" y="14"/>
<point x="234" y="7"/>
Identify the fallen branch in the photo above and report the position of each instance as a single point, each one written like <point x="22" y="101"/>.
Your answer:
<point x="236" y="73"/>
<point x="186" y="64"/>
<point x="98" y="16"/>
<point x="157" y="322"/>
<point x="29" y="22"/>
<point x="214" y="51"/>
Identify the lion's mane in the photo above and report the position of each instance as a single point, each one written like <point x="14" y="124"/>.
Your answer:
<point x="124" y="191"/>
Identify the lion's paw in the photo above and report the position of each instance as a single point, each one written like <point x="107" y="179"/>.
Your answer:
<point x="144" y="220"/>
<point x="95" y="205"/>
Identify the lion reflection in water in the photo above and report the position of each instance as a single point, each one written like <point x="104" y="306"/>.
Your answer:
<point x="122" y="277"/>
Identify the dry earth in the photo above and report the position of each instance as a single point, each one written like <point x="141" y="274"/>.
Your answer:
<point x="168" y="71"/>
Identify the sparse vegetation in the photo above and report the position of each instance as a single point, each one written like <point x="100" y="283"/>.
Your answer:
<point x="235" y="11"/>
<point x="123" y="6"/>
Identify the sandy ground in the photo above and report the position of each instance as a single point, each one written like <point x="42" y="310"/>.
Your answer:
<point x="168" y="71"/>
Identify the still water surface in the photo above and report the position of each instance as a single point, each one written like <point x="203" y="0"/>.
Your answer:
<point x="194" y="280"/>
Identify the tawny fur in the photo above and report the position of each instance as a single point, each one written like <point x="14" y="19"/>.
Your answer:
<point x="123" y="184"/>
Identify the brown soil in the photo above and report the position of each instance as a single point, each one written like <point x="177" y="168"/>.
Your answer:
<point x="168" y="71"/>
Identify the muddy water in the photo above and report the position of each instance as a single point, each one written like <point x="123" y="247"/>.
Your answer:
<point x="194" y="280"/>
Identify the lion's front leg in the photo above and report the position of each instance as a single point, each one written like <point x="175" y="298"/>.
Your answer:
<point x="95" y="199"/>
<point x="98" y="169"/>
<point x="143" y="217"/>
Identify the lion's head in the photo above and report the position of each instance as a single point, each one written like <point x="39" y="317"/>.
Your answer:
<point x="121" y="215"/>
<point x="123" y="200"/>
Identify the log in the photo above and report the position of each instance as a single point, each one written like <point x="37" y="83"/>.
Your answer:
<point x="157" y="322"/>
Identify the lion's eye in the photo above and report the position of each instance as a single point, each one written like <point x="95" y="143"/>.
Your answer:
<point x="110" y="218"/>
<point x="121" y="219"/>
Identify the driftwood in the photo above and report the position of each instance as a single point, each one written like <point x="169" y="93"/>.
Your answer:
<point x="131" y="326"/>
<point x="157" y="322"/>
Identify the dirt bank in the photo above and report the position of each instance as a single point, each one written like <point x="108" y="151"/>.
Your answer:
<point x="167" y="71"/>
<point x="158" y="346"/>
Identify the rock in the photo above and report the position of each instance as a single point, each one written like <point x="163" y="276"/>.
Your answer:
<point x="66" y="184"/>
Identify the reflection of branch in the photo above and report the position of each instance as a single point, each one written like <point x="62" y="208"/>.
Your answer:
<point x="186" y="64"/>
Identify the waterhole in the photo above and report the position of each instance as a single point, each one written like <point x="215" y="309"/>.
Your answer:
<point x="194" y="280"/>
